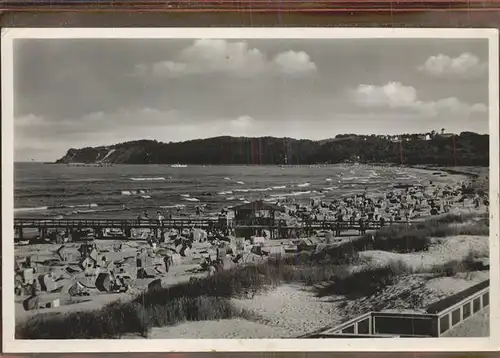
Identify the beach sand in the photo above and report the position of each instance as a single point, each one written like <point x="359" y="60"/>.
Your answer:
<point x="292" y="310"/>
<point x="442" y="251"/>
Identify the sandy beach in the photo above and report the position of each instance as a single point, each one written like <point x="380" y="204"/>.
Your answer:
<point x="288" y="310"/>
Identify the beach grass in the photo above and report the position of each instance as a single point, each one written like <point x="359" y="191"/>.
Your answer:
<point x="121" y="318"/>
<point x="329" y="271"/>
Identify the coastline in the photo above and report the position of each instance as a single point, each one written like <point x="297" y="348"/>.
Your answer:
<point x="286" y="298"/>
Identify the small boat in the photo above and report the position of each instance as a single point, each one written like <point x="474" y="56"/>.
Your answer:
<point x="178" y="166"/>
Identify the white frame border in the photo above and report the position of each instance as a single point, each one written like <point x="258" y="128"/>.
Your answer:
<point x="11" y="345"/>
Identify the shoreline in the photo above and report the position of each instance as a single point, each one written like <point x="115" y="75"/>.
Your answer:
<point x="454" y="178"/>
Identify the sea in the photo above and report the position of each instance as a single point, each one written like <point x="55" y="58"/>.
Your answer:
<point x="125" y="191"/>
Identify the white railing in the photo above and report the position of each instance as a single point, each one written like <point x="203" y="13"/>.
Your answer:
<point x="437" y="324"/>
<point x="463" y="310"/>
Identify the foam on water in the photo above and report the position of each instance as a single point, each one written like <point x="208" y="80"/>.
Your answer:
<point x="180" y="206"/>
<point x="148" y="179"/>
<point x="40" y="189"/>
<point x="44" y="208"/>
<point x="40" y="208"/>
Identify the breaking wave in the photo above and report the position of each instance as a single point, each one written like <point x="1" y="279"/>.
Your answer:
<point x="55" y="207"/>
<point x="148" y="179"/>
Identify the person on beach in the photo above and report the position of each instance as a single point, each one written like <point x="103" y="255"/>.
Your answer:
<point x="160" y="218"/>
<point x="338" y="226"/>
<point x="362" y="228"/>
<point x="166" y="261"/>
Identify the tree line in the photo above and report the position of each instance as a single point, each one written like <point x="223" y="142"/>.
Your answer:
<point x="464" y="149"/>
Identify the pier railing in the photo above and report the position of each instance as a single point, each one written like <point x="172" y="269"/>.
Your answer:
<point x="111" y="223"/>
<point x="458" y="308"/>
<point x="44" y="225"/>
<point x="202" y="222"/>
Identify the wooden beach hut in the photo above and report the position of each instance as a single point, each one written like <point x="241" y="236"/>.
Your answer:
<point x="250" y="219"/>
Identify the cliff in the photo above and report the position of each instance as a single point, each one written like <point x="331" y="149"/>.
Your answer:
<point x="465" y="149"/>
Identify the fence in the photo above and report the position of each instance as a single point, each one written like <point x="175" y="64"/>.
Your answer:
<point x="464" y="309"/>
<point x="111" y="223"/>
<point x="434" y="323"/>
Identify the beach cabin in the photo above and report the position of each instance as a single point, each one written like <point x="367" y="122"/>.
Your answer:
<point x="251" y="218"/>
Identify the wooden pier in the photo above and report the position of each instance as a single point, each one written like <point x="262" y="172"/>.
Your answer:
<point x="99" y="225"/>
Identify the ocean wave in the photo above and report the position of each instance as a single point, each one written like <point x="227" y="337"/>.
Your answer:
<point x="241" y="190"/>
<point x="293" y="193"/>
<point x="40" y="208"/>
<point x="268" y="200"/>
<point x="92" y="205"/>
<point x="240" y="182"/>
<point x="134" y="192"/>
<point x="96" y="211"/>
<point x="303" y="185"/>
<point x="192" y="199"/>
<point x="88" y="180"/>
<point x="279" y="187"/>
<point x="260" y="189"/>
<point x="55" y="207"/>
<point x="173" y="206"/>
<point x="225" y="193"/>
<point x="148" y="179"/>
<point x="330" y="188"/>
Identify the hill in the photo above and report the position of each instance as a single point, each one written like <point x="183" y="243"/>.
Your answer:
<point x="467" y="148"/>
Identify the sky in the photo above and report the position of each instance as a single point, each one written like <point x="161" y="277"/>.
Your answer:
<point x="71" y="93"/>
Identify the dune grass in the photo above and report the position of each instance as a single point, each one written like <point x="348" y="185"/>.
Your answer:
<point x="118" y="318"/>
<point x="209" y="298"/>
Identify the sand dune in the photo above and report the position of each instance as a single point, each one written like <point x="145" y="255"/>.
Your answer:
<point x="444" y="250"/>
<point x="295" y="308"/>
<point x="223" y="329"/>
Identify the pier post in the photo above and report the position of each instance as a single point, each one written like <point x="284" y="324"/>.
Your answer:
<point x="20" y="232"/>
<point x="97" y="232"/>
<point x="128" y="232"/>
<point x="43" y="233"/>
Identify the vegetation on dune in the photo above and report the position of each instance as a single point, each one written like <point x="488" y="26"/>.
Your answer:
<point x="118" y="319"/>
<point x="329" y="271"/>
<point x="470" y="149"/>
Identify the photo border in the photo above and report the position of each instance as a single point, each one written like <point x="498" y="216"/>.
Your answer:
<point x="237" y="345"/>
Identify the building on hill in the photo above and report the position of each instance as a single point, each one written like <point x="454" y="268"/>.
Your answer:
<point x="251" y="218"/>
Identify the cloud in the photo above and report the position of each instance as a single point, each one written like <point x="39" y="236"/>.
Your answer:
<point x="394" y="95"/>
<point x="237" y="59"/>
<point x="465" y="66"/>
<point x="39" y="137"/>
<point x="242" y="122"/>
<point x="295" y="63"/>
